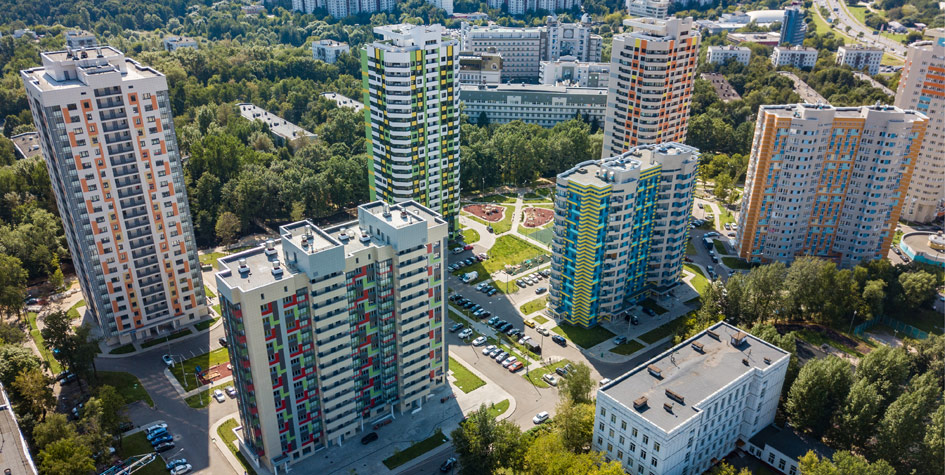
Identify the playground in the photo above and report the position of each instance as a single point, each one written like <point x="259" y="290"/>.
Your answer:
<point x="489" y="213"/>
<point x="536" y="217"/>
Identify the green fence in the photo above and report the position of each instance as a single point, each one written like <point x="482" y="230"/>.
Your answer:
<point x="904" y="328"/>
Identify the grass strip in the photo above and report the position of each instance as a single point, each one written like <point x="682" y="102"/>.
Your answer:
<point x="534" y="305"/>
<point x="401" y="457"/>
<point x="225" y="431"/>
<point x="205" y="361"/>
<point x="466" y="381"/>
<point x="127" y="385"/>
<point x="583" y="337"/>
<point x="172" y="336"/>
<point x="137" y="444"/>
<point x="535" y="375"/>
<point x="628" y="348"/>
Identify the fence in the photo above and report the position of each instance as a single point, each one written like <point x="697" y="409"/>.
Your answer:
<point x="906" y="329"/>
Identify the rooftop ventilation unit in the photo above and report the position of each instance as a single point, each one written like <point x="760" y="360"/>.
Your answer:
<point x="739" y="338"/>
<point x="640" y="403"/>
<point x="305" y="241"/>
<point x="745" y="361"/>
<point x="712" y="334"/>
<point x="343" y="235"/>
<point x="655" y="370"/>
<point x="698" y="347"/>
<point x="675" y="396"/>
<point x="386" y="210"/>
<point x="276" y="269"/>
<point x="270" y="248"/>
<point x="243" y="268"/>
<point x="668" y="406"/>
<point x="767" y="360"/>
<point x="365" y="237"/>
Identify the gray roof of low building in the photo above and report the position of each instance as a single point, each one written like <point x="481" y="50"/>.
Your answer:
<point x="789" y="442"/>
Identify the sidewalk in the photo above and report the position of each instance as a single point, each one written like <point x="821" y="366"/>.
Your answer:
<point x="490" y="393"/>
<point x="220" y="444"/>
<point x="138" y="349"/>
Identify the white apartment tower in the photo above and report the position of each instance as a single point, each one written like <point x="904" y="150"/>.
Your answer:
<point x="344" y="8"/>
<point x="922" y="88"/>
<point x="331" y="330"/>
<point x="108" y="137"/>
<point x="411" y="97"/>
<point x="721" y="54"/>
<point x="648" y="8"/>
<point x="860" y="58"/>
<point x="652" y="71"/>
<point x="797" y="56"/>
<point x="682" y="411"/>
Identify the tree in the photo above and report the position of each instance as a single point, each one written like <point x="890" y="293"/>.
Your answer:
<point x="113" y="409"/>
<point x="484" y="444"/>
<point x="900" y="431"/>
<point x="843" y="463"/>
<point x="575" y="423"/>
<point x="483" y="120"/>
<point x="77" y="348"/>
<point x="725" y="469"/>
<point x="934" y="443"/>
<point x="817" y="393"/>
<point x="12" y="284"/>
<point x="11" y="334"/>
<point x="228" y="225"/>
<point x="35" y="390"/>
<point x="547" y="455"/>
<point x="723" y="186"/>
<point x="68" y="456"/>
<point x="886" y="368"/>
<point x="15" y="359"/>
<point x="855" y="424"/>
<point x="55" y="427"/>
<point x="577" y="387"/>
<point x="917" y="287"/>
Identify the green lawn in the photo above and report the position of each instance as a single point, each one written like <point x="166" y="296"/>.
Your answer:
<point x="201" y="326"/>
<point x="628" y="348"/>
<point x="123" y="350"/>
<point x="209" y="292"/>
<point x="206" y="360"/>
<point x="137" y="444"/>
<point x="203" y="398"/>
<point x="465" y="380"/>
<point x="661" y="332"/>
<point x="735" y="263"/>
<point x="507" y="198"/>
<point x="74" y="312"/>
<point x="535" y="375"/>
<point x="127" y="385"/>
<point x="225" y="431"/>
<point x="496" y="410"/>
<point x="211" y="258"/>
<point x="54" y="366"/>
<point x="216" y="308"/>
<point x="725" y="217"/>
<point x="859" y="13"/>
<point x="719" y="247"/>
<point x="507" y="250"/>
<point x="540" y="319"/>
<point x="172" y="336"/>
<point x="401" y="457"/>
<point x="690" y="249"/>
<point x="927" y="320"/>
<point x="889" y="60"/>
<point x="501" y="226"/>
<point x="470" y="236"/>
<point x="897" y="238"/>
<point x="699" y="282"/>
<point x="583" y="337"/>
<point x="652" y="305"/>
<point x="534" y="305"/>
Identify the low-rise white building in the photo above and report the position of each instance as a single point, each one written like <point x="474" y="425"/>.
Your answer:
<point x="174" y="43"/>
<point x="480" y="68"/>
<point x="569" y="71"/>
<point x="342" y="101"/>
<point x="781" y="448"/>
<point x="721" y="54"/>
<point x="282" y="130"/>
<point x="533" y="104"/>
<point x="860" y="58"/>
<point x="797" y="56"/>
<point x="682" y="411"/>
<point x="328" y="50"/>
<point x="76" y="39"/>
<point x="254" y="9"/>
<point x="648" y="8"/>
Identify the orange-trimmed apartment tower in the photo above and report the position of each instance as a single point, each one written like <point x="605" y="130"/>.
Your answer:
<point x="107" y="134"/>
<point x="827" y="181"/>
<point x="652" y="69"/>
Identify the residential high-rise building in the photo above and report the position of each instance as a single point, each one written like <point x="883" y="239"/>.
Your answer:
<point x="410" y="81"/>
<point x="793" y="28"/>
<point x="620" y="232"/>
<point x="328" y="50"/>
<point x="331" y="330"/>
<point x="860" y="57"/>
<point x="344" y="8"/>
<point x="76" y="39"/>
<point x="827" y="181"/>
<point x="648" y="8"/>
<point x="108" y="137"/>
<point x="652" y="70"/>
<point x="519" y="7"/>
<point x="922" y="88"/>
<point x="682" y="411"/>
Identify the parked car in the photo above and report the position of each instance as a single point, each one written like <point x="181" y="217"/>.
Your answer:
<point x="479" y="341"/>
<point x="230" y="391"/>
<point x="168" y="360"/>
<point x="492" y="291"/>
<point x="155" y="427"/>
<point x="520" y="283"/>
<point x="634" y="320"/>
<point x="559" y="340"/>
<point x="465" y="333"/>
<point x="515" y="366"/>
<point x="456" y="327"/>
<point x="495" y="352"/>
<point x="523" y="339"/>
<point x="181" y="469"/>
<point x="156" y="433"/>
<point x="492" y="320"/>
<point x="540" y="417"/>
<point x="604" y="381"/>
<point x="620" y="340"/>
<point x="541" y="290"/>
<point x="457" y="250"/>
<point x="164" y="447"/>
<point x="710" y="234"/>
<point x="367" y="439"/>
<point x="501" y="357"/>
<point x="485" y="314"/>
<point x="649" y="311"/>
<point x="162" y="439"/>
<point x="508" y="361"/>
<point x="448" y="464"/>
<point x="467" y="247"/>
<point x="222" y="341"/>
<point x="219" y="396"/>
<point x="561" y="372"/>
<point x="550" y="379"/>
<point x="543" y="331"/>
<point x="488" y="349"/>
<point x="173" y="463"/>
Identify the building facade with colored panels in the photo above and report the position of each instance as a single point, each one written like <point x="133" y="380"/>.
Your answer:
<point x="922" y="88"/>
<point x="617" y="233"/>
<point x="827" y="181"/>
<point x="650" y="87"/>
<point x="108" y="138"/>
<point x="411" y="113"/>
<point x="332" y="330"/>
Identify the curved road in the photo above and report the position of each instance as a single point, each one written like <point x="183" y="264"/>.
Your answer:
<point x="843" y="16"/>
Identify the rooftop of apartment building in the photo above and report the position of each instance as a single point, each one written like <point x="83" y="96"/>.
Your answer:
<point x="859" y="48"/>
<point x="506" y="31"/>
<point x="534" y="88"/>
<point x="331" y="43"/>
<point x="27" y="144"/>
<point x="343" y="101"/>
<point x="789" y="442"/>
<point x="659" y="29"/>
<point x="795" y="48"/>
<point x="729" y="48"/>
<point x="722" y="87"/>
<point x="598" y="173"/>
<point x="794" y="110"/>
<point x="178" y="39"/>
<point x="60" y="68"/>
<point x="479" y="61"/>
<point x="407" y="37"/>
<point x="14" y="458"/>
<point x="264" y="264"/>
<point x="667" y="389"/>
<point x="768" y="37"/>
<point x="277" y="125"/>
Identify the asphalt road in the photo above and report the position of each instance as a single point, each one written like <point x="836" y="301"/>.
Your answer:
<point x="842" y="16"/>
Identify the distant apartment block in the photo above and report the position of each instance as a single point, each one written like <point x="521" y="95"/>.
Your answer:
<point x="620" y="230"/>
<point x="107" y="133"/>
<point x="797" y="56"/>
<point x="344" y="8"/>
<point x="721" y="54"/>
<point x="328" y="50"/>
<point x="174" y="43"/>
<point x="722" y="88"/>
<point x="254" y="9"/>
<point x="76" y="39"/>
<point x="567" y="70"/>
<point x="827" y="181"/>
<point x="331" y="330"/>
<point x="479" y="68"/>
<point x="283" y="131"/>
<point x="768" y="39"/>
<point x="652" y="70"/>
<point x="860" y="58"/>
<point x="922" y="88"/>
<point x="519" y="7"/>
<point x="412" y="125"/>
<point x="342" y="101"/>
<point x="793" y="27"/>
<point x="572" y="39"/>
<point x="648" y="8"/>
<point x="533" y="104"/>
<point x="684" y="410"/>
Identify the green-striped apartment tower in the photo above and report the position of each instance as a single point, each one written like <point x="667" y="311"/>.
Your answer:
<point x="620" y="230"/>
<point x="411" y="116"/>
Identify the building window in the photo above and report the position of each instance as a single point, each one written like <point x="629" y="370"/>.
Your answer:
<point x="656" y="446"/>
<point x="770" y="458"/>
<point x="781" y="465"/>
<point x="793" y="470"/>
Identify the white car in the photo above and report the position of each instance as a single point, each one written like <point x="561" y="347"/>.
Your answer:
<point x="479" y="341"/>
<point x="466" y="333"/>
<point x="168" y="360"/>
<point x="508" y="361"/>
<point x="152" y="428"/>
<point x="181" y="469"/>
<point x="550" y="379"/>
<point x="219" y="396"/>
<point x="522" y="340"/>
<point x="488" y="349"/>
<point x="540" y="417"/>
<point x="230" y="391"/>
